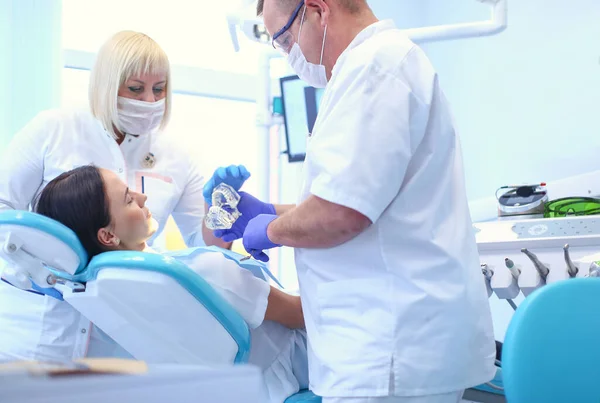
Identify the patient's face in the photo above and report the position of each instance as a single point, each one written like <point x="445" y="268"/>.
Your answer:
<point x="131" y="220"/>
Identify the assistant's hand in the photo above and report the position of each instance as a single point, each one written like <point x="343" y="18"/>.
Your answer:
<point x="256" y="239"/>
<point x="250" y="207"/>
<point x="233" y="175"/>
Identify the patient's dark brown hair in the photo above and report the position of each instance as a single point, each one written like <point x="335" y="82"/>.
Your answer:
<point x="77" y="199"/>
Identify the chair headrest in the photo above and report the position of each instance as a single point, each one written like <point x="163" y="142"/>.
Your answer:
<point x="46" y="239"/>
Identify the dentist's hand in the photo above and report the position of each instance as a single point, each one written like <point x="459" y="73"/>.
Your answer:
<point x="250" y="207"/>
<point x="256" y="239"/>
<point x="233" y="175"/>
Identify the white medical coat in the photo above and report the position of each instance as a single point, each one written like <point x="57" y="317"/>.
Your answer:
<point x="402" y="308"/>
<point x="38" y="327"/>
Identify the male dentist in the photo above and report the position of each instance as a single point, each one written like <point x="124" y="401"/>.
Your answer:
<point x="393" y="297"/>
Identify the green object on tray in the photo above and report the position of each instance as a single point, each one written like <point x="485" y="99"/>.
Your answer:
<point x="572" y="206"/>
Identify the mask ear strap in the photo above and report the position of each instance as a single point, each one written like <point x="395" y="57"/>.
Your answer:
<point x="323" y="46"/>
<point x="301" y="25"/>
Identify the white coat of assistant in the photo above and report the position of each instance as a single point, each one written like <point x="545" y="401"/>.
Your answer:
<point x="401" y="309"/>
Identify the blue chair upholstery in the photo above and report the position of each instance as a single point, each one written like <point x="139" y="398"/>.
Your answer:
<point x="304" y="396"/>
<point x="497" y="381"/>
<point x="551" y="351"/>
<point x="230" y="319"/>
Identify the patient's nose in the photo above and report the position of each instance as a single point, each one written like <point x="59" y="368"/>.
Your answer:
<point x="141" y="199"/>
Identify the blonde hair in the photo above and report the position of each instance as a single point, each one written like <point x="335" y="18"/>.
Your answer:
<point x="125" y="55"/>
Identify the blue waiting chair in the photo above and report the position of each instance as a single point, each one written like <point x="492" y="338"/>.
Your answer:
<point x="551" y="351"/>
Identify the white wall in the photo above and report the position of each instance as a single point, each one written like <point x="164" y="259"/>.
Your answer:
<point x="526" y="101"/>
<point x="5" y="68"/>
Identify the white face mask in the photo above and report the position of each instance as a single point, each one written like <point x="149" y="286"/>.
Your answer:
<point x="314" y="75"/>
<point x="139" y="117"/>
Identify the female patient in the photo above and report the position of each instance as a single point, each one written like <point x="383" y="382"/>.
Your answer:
<point x="106" y="215"/>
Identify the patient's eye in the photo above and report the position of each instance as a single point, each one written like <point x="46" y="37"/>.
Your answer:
<point x="136" y="89"/>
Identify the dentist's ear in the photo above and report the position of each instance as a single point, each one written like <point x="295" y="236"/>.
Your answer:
<point x="107" y="238"/>
<point x="322" y="7"/>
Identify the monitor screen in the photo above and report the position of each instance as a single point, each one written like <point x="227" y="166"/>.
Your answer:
<point x="300" y="108"/>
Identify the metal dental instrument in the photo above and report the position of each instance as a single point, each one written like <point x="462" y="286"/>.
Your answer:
<point x="487" y="272"/>
<point x="510" y="265"/>
<point x="594" y="270"/>
<point x="539" y="266"/>
<point x="571" y="268"/>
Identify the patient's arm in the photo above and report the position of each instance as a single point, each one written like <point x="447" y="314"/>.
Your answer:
<point x="253" y="298"/>
<point x="285" y="309"/>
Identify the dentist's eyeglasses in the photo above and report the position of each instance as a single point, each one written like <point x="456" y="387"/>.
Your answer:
<point x="283" y="40"/>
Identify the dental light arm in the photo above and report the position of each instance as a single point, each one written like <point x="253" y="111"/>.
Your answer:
<point x="494" y="26"/>
<point x="252" y="26"/>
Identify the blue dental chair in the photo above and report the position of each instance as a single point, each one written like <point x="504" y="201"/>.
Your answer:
<point x="551" y="352"/>
<point x="123" y="293"/>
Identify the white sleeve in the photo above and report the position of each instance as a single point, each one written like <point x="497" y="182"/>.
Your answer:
<point x="247" y="294"/>
<point x="189" y="211"/>
<point x="22" y="165"/>
<point x="361" y="149"/>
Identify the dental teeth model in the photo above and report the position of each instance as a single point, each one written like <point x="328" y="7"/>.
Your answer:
<point x="223" y="212"/>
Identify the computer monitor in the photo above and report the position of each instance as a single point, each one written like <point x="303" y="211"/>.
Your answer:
<point x="300" y="108"/>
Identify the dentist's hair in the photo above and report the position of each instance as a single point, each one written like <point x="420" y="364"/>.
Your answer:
<point x="124" y="55"/>
<point x="77" y="199"/>
<point x="353" y="6"/>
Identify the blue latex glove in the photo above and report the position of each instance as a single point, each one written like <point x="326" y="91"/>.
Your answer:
<point x="250" y="207"/>
<point x="256" y="239"/>
<point x="233" y="175"/>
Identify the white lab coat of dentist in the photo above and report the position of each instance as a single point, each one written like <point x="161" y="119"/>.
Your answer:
<point x="401" y="309"/>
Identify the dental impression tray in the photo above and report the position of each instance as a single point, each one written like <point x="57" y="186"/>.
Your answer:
<point x="223" y="212"/>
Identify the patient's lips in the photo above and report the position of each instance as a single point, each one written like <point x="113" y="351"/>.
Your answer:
<point x="153" y="227"/>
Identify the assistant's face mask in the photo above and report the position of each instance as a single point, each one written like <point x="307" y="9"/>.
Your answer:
<point x="139" y="117"/>
<point x="312" y="74"/>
